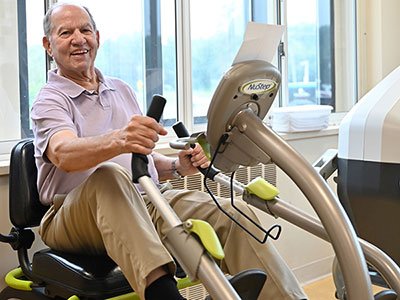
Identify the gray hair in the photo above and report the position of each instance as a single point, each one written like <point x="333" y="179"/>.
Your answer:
<point x="47" y="25"/>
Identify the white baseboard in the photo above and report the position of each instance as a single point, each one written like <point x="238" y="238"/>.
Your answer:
<point x="314" y="271"/>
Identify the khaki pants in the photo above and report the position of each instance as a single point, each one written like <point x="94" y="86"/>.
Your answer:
<point x="106" y="214"/>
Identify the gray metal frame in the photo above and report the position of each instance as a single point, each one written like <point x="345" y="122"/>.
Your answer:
<point x="332" y="215"/>
<point x="197" y="263"/>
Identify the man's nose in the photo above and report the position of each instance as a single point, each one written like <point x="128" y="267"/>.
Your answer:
<point x="78" y="37"/>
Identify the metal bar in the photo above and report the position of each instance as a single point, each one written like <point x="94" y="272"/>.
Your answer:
<point x="389" y="270"/>
<point x="226" y="181"/>
<point x="332" y="215"/>
<point x="153" y="49"/>
<point x="215" y="281"/>
<point x="207" y="270"/>
<point x="167" y="213"/>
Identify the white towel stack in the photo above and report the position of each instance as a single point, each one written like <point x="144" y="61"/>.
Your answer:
<point x="300" y="118"/>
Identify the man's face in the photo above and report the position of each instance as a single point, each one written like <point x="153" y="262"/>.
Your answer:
<point x="73" y="42"/>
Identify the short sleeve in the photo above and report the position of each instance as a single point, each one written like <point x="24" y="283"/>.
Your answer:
<point x="50" y="113"/>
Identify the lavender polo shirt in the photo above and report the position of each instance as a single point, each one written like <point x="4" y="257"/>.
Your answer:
<point x="64" y="105"/>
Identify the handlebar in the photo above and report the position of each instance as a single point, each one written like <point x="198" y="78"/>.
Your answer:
<point x="139" y="162"/>
<point x="182" y="132"/>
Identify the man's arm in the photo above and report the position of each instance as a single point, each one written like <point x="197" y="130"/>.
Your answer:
<point x="72" y="153"/>
<point x="186" y="164"/>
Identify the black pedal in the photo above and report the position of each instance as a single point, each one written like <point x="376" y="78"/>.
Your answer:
<point x="180" y="273"/>
<point x="248" y="284"/>
<point x="386" y="295"/>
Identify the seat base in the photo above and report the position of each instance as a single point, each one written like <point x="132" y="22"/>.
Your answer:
<point x="10" y="293"/>
<point x="91" y="277"/>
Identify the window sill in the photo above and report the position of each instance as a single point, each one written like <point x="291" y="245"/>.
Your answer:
<point x="165" y="149"/>
<point x="291" y="136"/>
<point x="4" y="164"/>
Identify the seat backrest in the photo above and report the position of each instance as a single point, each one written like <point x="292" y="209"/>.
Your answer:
<point x="25" y="207"/>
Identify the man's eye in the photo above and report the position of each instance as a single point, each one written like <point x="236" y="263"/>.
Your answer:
<point x="64" y="33"/>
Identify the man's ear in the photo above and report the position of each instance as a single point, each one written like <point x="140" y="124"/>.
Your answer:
<point x="98" y="38"/>
<point x="46" y="46"/>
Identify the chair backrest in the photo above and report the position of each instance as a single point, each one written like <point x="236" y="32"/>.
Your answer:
<point x="25" y="207"/>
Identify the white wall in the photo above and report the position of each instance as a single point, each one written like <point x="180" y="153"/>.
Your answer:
<point x="390" y="36"/>
<point x="379" y="31"/>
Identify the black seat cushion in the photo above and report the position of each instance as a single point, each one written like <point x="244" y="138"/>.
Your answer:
<point x="88" y="276"/>
<point x="25" y="207"/>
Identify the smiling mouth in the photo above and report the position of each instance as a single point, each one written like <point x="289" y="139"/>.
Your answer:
<point x="80" y="52"/>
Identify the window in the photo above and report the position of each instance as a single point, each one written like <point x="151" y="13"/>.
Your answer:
<point x="214" y="44"/>
<point x="35" y="68"/>
<point x="310" y="63"/>
<point x="318" y="70"/>
<point x="137" y="44"/>
<point x="22" y="72"/>
<point x="9" y="81"/>
<point x="181" y="48"/>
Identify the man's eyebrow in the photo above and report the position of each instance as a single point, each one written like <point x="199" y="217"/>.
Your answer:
<point x="64" y="27"/>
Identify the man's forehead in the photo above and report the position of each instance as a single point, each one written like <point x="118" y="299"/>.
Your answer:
<point x="71" y="15"/>
<point x="71" y="12"/>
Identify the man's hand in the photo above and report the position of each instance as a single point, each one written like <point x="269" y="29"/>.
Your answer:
<point x="191" y="159"/>
<point x="141" y="134"/>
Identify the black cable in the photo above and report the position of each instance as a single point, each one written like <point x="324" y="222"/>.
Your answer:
<point x="266" y="232"/>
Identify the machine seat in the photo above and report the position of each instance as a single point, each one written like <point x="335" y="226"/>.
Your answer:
<point x="58" y="274"/>
<point x="87" y="276"/>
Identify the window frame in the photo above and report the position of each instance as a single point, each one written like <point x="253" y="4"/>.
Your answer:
<point x="23" y="70"/>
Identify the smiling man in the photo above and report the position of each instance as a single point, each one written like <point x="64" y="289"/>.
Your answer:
<point x="73" y="45"/>
<point x="86" y="126"/>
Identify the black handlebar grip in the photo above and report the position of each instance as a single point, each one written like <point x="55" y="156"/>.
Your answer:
<point x="156" y="107"/>
<point x="139" y="162"/>
<point x="181" y="132"/>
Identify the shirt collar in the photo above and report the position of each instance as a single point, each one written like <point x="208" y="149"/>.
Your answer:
<point x="73" y="89"/>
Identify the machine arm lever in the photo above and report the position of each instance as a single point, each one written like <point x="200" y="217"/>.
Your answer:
<point x="139" y="161"/>
<point x="181" y="131"/>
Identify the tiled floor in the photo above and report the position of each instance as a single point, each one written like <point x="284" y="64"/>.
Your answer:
<point x="324" y="289"/>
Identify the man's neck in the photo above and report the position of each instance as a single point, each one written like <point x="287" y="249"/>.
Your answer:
<point x="88" y="80"/>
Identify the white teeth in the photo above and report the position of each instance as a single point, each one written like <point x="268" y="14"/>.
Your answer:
<point x="80" y="52"/>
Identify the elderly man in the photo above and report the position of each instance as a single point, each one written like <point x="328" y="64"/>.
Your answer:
<point x="86" y="125"/>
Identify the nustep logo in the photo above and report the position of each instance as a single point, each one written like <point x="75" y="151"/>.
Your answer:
<point x="258" y="86"/>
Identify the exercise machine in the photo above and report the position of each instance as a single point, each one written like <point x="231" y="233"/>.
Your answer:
<point x="367" y="164"/>
<point x="237" y="136"/>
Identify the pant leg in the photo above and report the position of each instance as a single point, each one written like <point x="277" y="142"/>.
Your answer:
<point x="241" y="250"/>
<point x="105" y="214"/>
